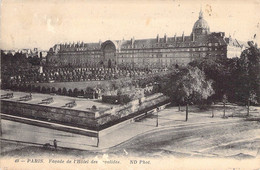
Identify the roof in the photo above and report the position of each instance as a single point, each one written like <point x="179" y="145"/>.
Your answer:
<point x="59" y="101"/>
<point x="82" y="46"/>
<point x="201" y="24"/>
<point x="234" y="42"/>
<point x="180" y="41"/>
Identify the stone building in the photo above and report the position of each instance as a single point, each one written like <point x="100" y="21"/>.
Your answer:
<point x="159" y="52"/>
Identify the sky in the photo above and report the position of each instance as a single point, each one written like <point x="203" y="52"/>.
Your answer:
<point x="44" y="23"/>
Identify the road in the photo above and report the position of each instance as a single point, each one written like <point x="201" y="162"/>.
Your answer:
<point x="227" y="139"/>
<point x="201" y="136"/>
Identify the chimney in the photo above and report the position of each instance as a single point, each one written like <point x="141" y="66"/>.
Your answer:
<point x="183" y="36"/>
<point x="158" y="38"/>
<point x="165" y="38"/>
<point x="132" y="41"/>
<point x="100" y="42"/>
<point x="175" y="37"/>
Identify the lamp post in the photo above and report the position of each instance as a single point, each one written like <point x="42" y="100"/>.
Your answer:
<point x="224" y="102"/>
<point x="97" y="139"/>
<point x="187" y="111"/>
<point x="252" y="98"/>
<point x="157" y="117"/>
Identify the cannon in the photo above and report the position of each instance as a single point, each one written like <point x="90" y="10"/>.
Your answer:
<point x="7" y="96"/>
<point x="71" y="104"/>
<point x="26" y="98"/>
<point x="47" y="101"/>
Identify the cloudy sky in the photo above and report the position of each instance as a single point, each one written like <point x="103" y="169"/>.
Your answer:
<point x="34" y="23"/>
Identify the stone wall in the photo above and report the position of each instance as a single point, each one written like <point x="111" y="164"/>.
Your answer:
<point x="59" y="115"/>
<point x="133" y="107"/>
<point x="84" y="119"/>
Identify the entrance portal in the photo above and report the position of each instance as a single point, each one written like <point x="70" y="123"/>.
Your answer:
<point x="109" y="54"/>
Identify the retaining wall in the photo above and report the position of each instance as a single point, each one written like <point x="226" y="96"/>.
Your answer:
<point x="83" y="119"/>
<point x="60" y="115"/>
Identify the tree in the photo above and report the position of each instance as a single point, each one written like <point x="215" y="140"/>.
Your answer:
<point x="75" y="92"/>
<point x="33" y="88"/>
<point x="81" y="92"/>
<point x="70" y="93"/>
<point x="187" y="85"/>
<point x="195" y="87"/>
<point x="59" y="91"/>
<point x="43" y="90"/>
<point x="64" y="91"/>
<point x="218" y="71"/>
<point x="248" y="71"/>
<point x="53" y="90"/>
<point x="38" y="89"/>
<point x="48" y="90"/>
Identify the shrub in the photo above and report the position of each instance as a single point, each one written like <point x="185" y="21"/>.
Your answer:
<point x="53" y="90"/>
<point x="94" y="107"/>
<point x="48" y="90"/>
<point x="64" y="91"/>
<point x="75" y="92"/>
<point x="70" y="93"/>
<point x="43" y="90"/>
<point x="59" y="91"/>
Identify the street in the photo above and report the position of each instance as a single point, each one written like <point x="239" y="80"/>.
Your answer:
<point x="201" y="136"/>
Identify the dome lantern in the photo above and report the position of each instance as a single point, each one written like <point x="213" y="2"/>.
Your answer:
<point x="201" y="14"/>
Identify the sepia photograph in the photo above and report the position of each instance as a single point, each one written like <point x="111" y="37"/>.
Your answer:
<point x="160" y="84"/>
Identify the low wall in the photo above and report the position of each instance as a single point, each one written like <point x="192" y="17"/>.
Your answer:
<point x="129" y="109"/>
<point x="128" y="121"/>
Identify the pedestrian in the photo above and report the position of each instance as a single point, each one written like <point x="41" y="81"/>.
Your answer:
<point x="55" y="144"/>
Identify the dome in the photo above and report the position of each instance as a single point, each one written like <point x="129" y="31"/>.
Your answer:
<point x="201" y="25"/>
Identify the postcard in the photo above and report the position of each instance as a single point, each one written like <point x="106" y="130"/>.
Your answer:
<point x="161" y="84"/>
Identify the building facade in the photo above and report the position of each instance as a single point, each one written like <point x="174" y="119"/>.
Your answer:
<point x="158" y="52"/>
